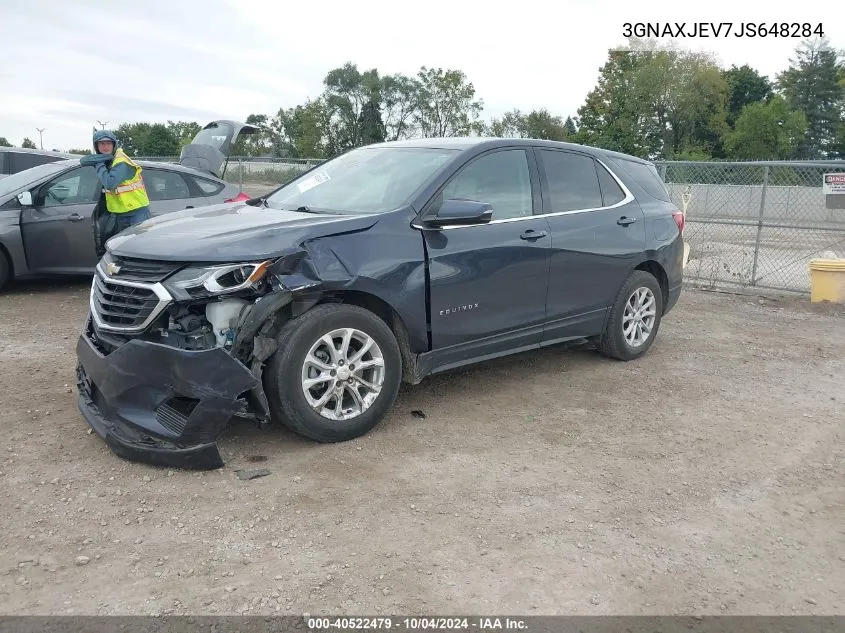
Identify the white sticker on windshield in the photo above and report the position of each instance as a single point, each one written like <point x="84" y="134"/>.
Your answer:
<point x="313" y="181"/>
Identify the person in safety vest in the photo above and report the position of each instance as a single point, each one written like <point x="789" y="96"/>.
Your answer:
<point x="126" y="196"/>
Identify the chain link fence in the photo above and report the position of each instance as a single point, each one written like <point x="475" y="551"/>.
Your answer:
<point x="755" y="224"/>
<point x="255" y="175"/>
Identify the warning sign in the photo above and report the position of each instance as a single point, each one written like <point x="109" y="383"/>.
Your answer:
<point x="833" y="183"/>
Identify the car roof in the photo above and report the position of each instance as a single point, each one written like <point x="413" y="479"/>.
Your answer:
<point x="40" y="152"/>
<point x="483" y="142"/>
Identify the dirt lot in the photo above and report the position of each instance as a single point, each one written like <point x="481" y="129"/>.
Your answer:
<point x="706" y="478"/>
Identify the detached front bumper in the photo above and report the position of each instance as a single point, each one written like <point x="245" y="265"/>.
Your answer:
<point x="161" y="405"/>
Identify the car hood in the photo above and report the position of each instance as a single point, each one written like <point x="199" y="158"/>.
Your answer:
<point x="229" y="232"/>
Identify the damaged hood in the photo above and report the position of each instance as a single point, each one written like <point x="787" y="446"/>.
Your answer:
<point x="229" y="232"/>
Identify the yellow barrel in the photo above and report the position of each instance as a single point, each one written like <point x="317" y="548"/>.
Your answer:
<point x="827" y="280"/>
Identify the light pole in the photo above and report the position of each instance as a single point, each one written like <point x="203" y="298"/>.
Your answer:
<point x="102" y="125"/>
<point x="41" y="136"/>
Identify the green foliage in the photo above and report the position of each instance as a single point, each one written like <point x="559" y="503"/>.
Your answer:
<point x="767" y="131"/>
<point x="132" y="137"/>
<point x="538" y="124"/>
<point x="813" y="84"/>
<point x="446" y="104"/>
<point x="370" y="125"/>
<point x="657" y="102"/>
<point x="160" y="141"/>
<point x="745" y="86"/>
<point x="79" y="151"/>
<point x="28" y="144"/>
<point x="4" y="142"/>
<point x="183" y="131"/>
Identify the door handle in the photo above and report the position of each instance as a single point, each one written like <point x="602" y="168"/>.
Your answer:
<point x="531" y="234"/>
<point x="190" y="206"/>
<point x="75" y="217"/>
<point x="625" y="221"/>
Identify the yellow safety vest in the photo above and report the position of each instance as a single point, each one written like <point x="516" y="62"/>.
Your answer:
<point x="130" y="194"/>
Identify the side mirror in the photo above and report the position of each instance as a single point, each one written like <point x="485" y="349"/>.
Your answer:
<point x="25" y="198"/>
<point x="455" y="212"/>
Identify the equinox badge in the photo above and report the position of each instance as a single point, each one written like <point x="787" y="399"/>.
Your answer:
<point x="448" y="311"/>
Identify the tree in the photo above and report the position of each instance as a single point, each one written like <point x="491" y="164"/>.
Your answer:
<point x="745" y="86"/>
<point x="160" y="141"/>
<point x="538" y="124"/>
<point x="812" y="85"/>
<point x="347" y="92"/>
<point x="28" y="144"/>
<point x="612" y="117"/>
<point x="79" y="151"/>
<point x="687" y="95"/>
<point x="446" y="104"/>
<point x="132" y="137"/>
<point x="399" y="99"/>
<point x="183" y="131"/>
<point x="569" y="126"/>
<point x="656" y="102"/>
<point x="370" y="125"/>
<point x="4" y="142"/>
<point x="767" y="131"/>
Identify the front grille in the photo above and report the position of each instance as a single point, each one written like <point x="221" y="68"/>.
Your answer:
<point x="132" y="269"/>
<point x="121" y="306"/>
<point x="173" y="414"/>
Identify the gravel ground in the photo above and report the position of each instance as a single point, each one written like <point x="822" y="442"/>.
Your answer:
<point x="705" y="478"/>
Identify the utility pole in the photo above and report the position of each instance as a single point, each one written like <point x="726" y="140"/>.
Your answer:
<point x="41" y="136"/>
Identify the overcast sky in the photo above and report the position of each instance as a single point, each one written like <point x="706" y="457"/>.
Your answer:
<point x="67" y="65"/>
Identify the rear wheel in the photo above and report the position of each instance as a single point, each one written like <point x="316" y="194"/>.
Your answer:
<point x="336" y="373"/>
<point x="634" y="318"/>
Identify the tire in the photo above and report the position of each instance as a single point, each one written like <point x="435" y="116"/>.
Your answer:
<point x="300" y="339"/>
<point x="5" y="269"/>
<point x="613" y="342"/>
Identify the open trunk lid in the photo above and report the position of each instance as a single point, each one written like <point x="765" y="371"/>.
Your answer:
<point x="212" y="146"/>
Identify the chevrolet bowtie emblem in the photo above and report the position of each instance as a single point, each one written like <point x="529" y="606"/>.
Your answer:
<point x="112" y="268"/>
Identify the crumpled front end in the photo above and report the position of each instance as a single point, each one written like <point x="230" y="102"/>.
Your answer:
<point x="162" y="370"/>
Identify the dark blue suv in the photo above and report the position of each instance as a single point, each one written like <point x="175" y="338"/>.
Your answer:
<point x="391" y="262"/>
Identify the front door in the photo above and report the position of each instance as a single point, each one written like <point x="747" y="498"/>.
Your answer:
<point x="489" y="282"/>
<point x="57" y="232"/>
<point x="597" y="238"/>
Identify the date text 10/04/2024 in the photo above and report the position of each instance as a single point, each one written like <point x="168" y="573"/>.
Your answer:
<point x="721" y="29"/>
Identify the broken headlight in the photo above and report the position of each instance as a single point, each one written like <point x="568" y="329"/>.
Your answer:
<point x="210" y="281"/>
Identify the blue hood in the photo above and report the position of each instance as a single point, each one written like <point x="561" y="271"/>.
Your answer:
<point x="229" y="232"/>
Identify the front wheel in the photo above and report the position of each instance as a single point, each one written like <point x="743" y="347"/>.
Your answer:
<point x="336" y="373"/>
<point x="634" y="318"/>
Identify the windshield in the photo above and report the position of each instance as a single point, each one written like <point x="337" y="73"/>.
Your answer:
<point x="23" y="178"/>
<point x="363" y="181"/>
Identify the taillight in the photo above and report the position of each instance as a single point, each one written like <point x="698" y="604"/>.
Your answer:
<point x="239" y="198"/>
<point x="679" y="220"/>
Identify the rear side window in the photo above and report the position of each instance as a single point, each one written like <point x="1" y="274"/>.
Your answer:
<point x="21" y="161"/>
<point x="162" y="184"/>
<point x="573" y="181"/>
<point x="611" y="192"/>
<point x="4" y="163"/>
<point x="648" y="178"/>
<point x="208" y="187"/>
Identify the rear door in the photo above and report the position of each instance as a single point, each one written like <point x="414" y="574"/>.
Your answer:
<point x="597" y="237"/>
<point x="57" y="231"/>
<point x="168" y="191"/>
